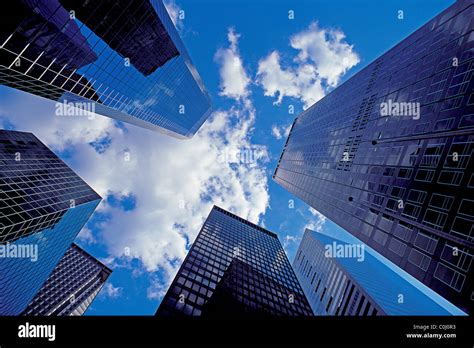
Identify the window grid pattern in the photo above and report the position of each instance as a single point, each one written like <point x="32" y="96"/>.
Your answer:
<point x="236" y="265"/>
<point x="126" y="58"/>
<point x="72" y="285"/>
<point x="35" y="205"/>
<point x="428" y="160"/>
<point x="36" y="187"/>
<point x="347" y="286"/>
<point x="21" y="278"/>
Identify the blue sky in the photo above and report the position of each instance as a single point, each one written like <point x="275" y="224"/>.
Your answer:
<point x="155" y="203"/>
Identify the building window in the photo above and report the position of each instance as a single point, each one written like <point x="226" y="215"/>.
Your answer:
<point x="416" y="196"/>
<point x="405" y="173"/>
<point x="462" y="227"/>
<point x="425" y="175"/>
<point x="412" y="211"/>
<point x="449" y="276"/>
<point x="457" y="257"/>
<point x="435" y="219"/>
<point x="418" y="259"/>
<point x="397" y="247"/>
<point x="425" y="242"/>
<point x="467" y="208"/>
<point x="441" y="201"/>
<point x="449" y="177"/>
<point x="380" y="237"/>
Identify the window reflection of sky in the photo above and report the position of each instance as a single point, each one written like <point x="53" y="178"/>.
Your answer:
<point x="162" y="93"/>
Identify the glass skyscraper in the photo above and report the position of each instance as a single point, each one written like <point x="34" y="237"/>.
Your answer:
<point x="122" y="59"/>
<point x="234" y="269"/>
<point x="388" y="154"/>
<point x="345" y="279"/>
<point x="43" y="206"/>
<point x="73" y="285"/>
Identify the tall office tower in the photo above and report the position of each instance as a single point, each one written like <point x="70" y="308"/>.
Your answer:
<point x="121" y="59"/>
<point x="73" y="285"/>
<point x="234" y="269"/>
<point x="43" y="206"/>
<point x="341" y="278"/>
<point x="387" y="155"/>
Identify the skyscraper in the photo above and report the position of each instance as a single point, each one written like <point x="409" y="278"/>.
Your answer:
<point x="43" y="206"/>
<point x="234" y="269"/>
<point x="388" y="155"/>
<point x="341" y="278"/>
<point x="73" y="285"/>
<point x="122" y="59"/>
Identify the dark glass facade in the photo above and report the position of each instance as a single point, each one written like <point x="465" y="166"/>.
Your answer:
<point x="357" y="284"/>
<point x="73" y="285"/>
<point x="234" y="269"/>
<point x="123" y="59"/>
<point x="43" y="207"/>
<point x="402" y="182"/>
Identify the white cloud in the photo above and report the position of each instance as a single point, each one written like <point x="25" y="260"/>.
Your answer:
<point x="289" y="240"/>
<point x="168" y="177"/>
<point x="281" y="131"/>
<point x="317" y="222"/>
<point x="174" y="12"/>
<point x="276" y="132"/>
<point x="327" y="49"/>
<point x="110" y="291"/>
<point x="323" y="58"/>
<point x="86" y="236"/>
<point x="301" y="82"/>
<point x="174" y="182"/>
<point x="234" y="79"/>
<point x="158" y="287"/>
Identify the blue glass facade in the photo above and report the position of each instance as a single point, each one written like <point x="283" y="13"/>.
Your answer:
<point x="72" y="286"/>
<point x="388" y="154"/>
<point x="234" y="268"/>
<point x="353" y="284"/>
<point x="125" y="60"/>
<point x="22" y="278"/>
<point x="43" y="207"/>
